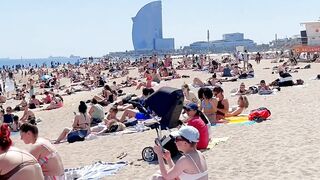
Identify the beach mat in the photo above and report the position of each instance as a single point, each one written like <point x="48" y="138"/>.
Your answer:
<point x="97" y="170"/>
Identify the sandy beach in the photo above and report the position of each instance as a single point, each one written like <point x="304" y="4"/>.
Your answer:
<point x="285" y="147"/>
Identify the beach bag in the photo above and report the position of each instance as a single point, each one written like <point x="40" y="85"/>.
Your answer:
<point x="78" y="135"/>
<point x="259" y="115"/>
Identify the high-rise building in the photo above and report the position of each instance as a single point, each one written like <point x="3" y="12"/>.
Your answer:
<point x="147" y="29"/>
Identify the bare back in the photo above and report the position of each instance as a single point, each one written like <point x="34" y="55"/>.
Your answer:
<point x="15" y="157"/>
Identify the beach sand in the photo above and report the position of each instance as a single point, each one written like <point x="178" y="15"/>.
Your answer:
<point x="285" y="147"/>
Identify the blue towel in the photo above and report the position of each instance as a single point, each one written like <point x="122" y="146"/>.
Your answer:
<point x="95" y="171"/>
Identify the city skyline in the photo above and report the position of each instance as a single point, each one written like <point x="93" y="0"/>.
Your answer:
<point x="93" y="28"/>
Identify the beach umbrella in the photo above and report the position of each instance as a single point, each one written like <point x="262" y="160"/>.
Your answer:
<point x="46" y="77"/>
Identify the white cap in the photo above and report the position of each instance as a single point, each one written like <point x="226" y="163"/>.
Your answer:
<point x="188" y="132"/>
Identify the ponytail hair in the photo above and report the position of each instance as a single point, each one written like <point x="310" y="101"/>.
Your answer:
<point x="82" y="107"/>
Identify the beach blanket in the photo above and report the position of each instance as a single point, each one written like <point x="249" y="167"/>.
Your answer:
<point x="94" y="171"/>
<point x="215" y="141"/>
<point x="128" y="130"/>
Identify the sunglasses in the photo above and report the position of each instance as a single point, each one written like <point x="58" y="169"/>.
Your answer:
<point x="181" y="138"/>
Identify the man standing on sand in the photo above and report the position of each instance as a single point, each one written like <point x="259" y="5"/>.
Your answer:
<point x="245" y="59"/>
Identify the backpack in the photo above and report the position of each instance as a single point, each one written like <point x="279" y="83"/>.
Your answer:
<point x="259" y="115"/>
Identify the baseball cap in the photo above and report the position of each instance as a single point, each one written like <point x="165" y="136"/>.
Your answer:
<point x="191" y="106"/>
<point x="188" y="132"/>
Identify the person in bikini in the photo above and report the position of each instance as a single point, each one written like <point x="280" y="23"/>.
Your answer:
<point x="15" y="163"/>
<point x="243" y="103"/>
<point x="209" y="105"/>
<point x="34" y="102"/>
<point x="81" y="122"/>
<point x="46" y="154"/>
<point x="191" y="165"/>
<point x="223" y="104"/>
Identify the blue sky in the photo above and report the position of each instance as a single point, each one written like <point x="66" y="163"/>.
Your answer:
<point x="40" y="28"/>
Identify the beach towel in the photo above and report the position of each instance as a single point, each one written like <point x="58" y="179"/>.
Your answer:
<point x="242" y="119"/>
<point x="215" y="141"/>
<point x="128" y="130"/>
<point x="237" y="119"/>
<point x="94" y="171"/>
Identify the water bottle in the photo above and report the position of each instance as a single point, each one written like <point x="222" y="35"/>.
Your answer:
<point x="140" y="126"/>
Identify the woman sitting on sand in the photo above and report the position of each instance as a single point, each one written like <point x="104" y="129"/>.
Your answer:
<point x="242" y="105"/>
<point x="209" y="105"/>
<point x="80" y="122"/>
<point x="108" y="96"/>
<point x="34" y="102"/>
<point x="191" y="165"/>
<point x="15" y="163"/>
<point x="28" y="116"/>
<point x="194" y="119"/>
<point x="23" y="103"/>
<point x="189" y="95"/>
<point x="148" y="83"/>
<point x="46" y="154"/>
<point x="223" y="104"/>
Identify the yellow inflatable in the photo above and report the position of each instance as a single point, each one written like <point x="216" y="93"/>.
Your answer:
<point x="237" y="119"/>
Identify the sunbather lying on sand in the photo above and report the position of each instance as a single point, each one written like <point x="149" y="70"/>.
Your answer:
<point x="212" y="81"/>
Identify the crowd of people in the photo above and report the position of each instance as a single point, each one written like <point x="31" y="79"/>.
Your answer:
<point x="100" y="114"/>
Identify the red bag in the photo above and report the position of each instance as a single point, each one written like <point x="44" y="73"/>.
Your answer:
<point x="259" y="114"/>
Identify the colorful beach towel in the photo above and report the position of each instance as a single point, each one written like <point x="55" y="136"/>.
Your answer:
<point x="95" y="171"/>
<point x="237" y="120"/>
